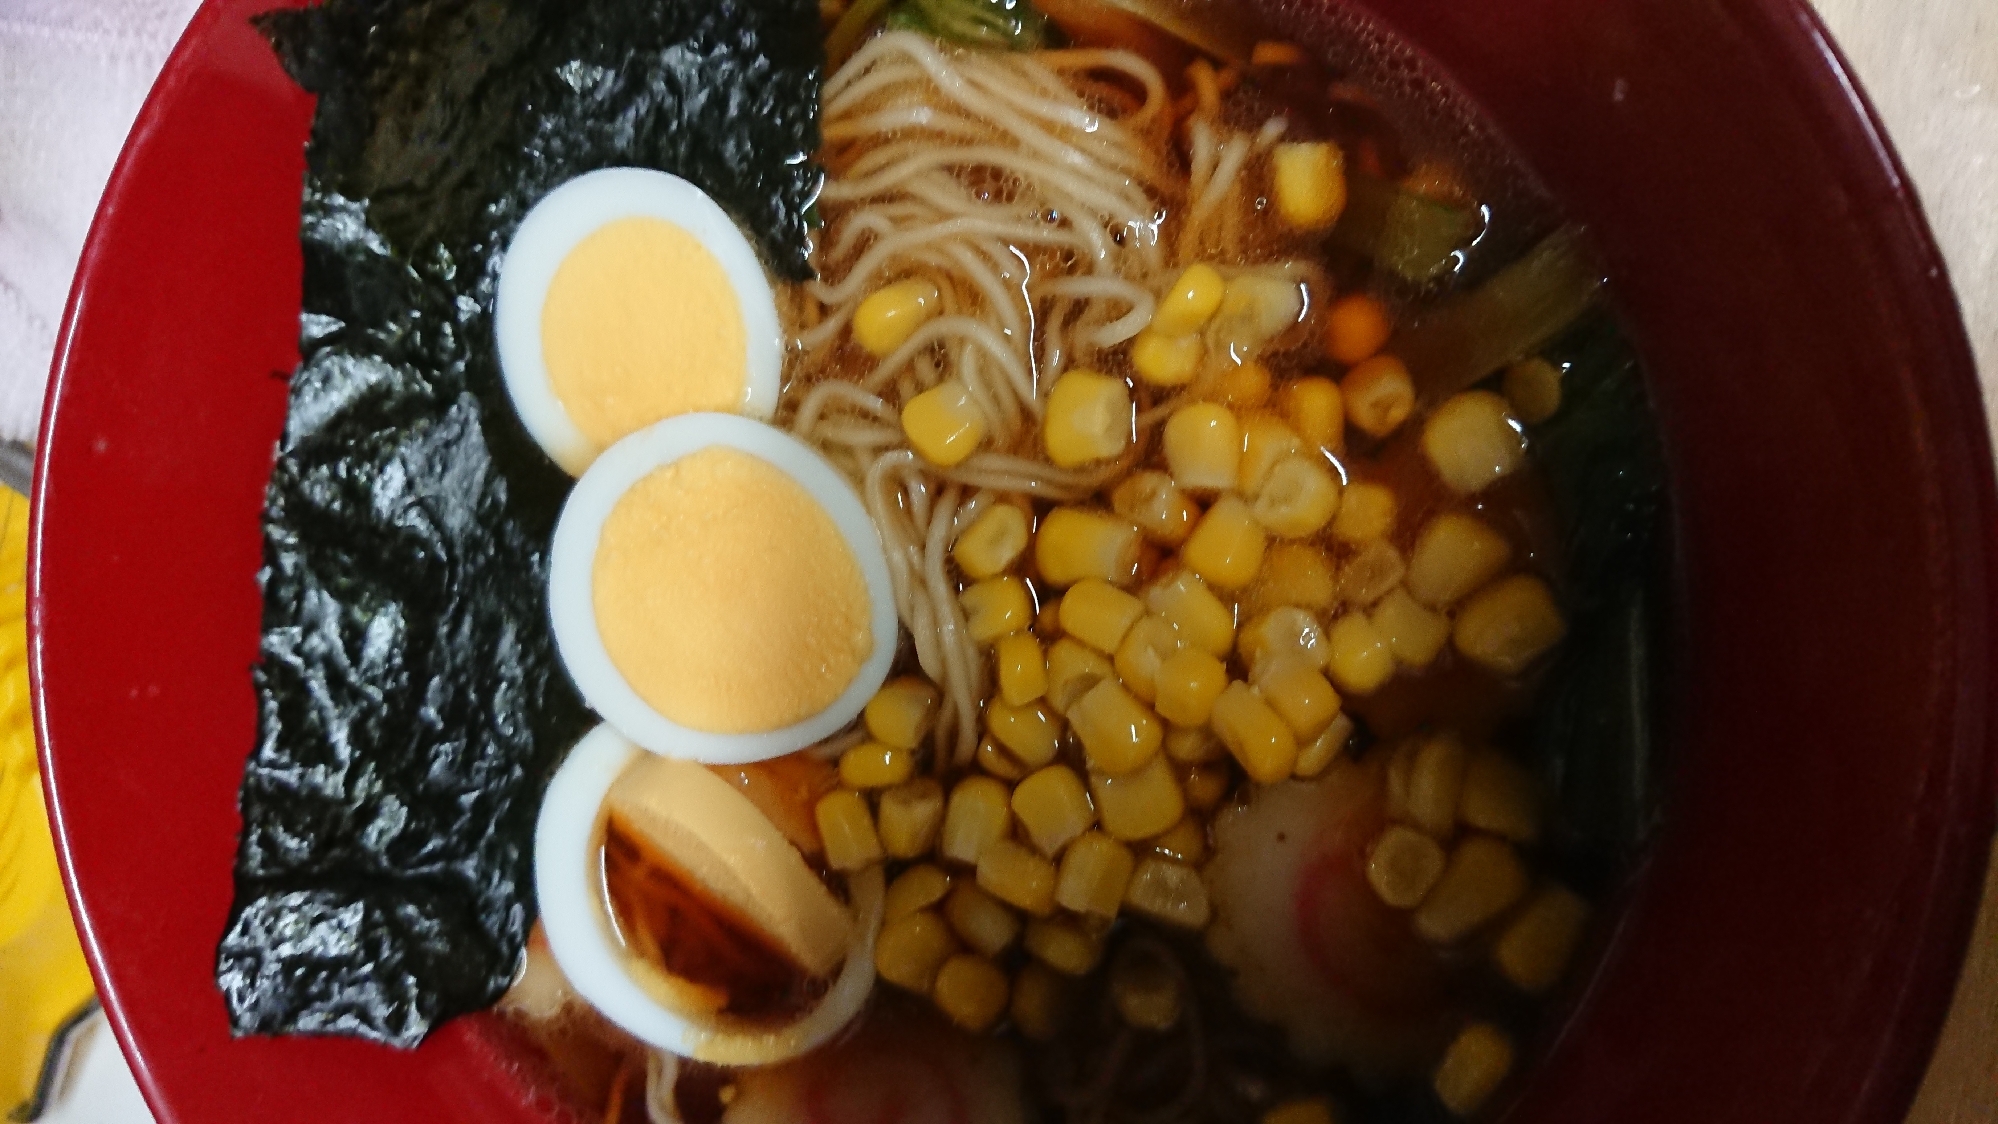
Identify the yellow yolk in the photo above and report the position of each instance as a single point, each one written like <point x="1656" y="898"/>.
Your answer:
<point x="641" y="323"/>
<point x="727" y="597"/>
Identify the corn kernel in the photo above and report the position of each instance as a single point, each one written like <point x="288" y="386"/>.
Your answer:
<point x="1404" y="866"/>
<point x="1018" y="877"/>
<point x="1190" y="303"/>
<point x="1311" y="1110"/>
<point x="1366" y="513"/>
<point x="1535" y="949"/>
<point x="1258" y="306"/>
<point x="971" y="991"/>
<point x="976" y="816"/>
<point x="1309" y="181"/>
<point x="1205" y="785"/>
<point x="1041" y="1002"/>
<point x="993" y="542"/>
<point x="1298" y="498"/>
<point x="998" y="761"/>
<point x="1473" y="1068"/>
<point x="1032" y="733"/>
<point x="1146" y="647"/>
<point x="1293" y="574"/>
<point x="1500" y="797"/>
<point x="1147" y="987"/>
<point x="890" y="315"/>
<point x="1226" y="548"/>
<point x="1185" y="841"/>
<point x="1379" y="395"/>
<point x="1265" y="442"/>
<point x="1099" y="614"/>
<point x="1064" y="945"/>
<point x="1138" y="804"/>
<point x="1203" y="621"/>
<point x="848" y="830"/>
<point x="911" y="948"/>
<point x="943" y="423"/>
<point x="1238" y="386"/>
<point x="1318" y="755"/>
<point x="1483" y="879"/>
<point x="1356" y="328"/>
<point x="1533" y="390"/>
<point x="900" y="713"/>
<point x="873" y="765"/>
<point x="1508" y="624"/>
<point x="1472" y="440"/>
<point x="1454" y="555"/>
<point x="1436" y="784"/>
<point x="1300" y="696"/>
<point x="918" y="887"/>
<point x="1187" y="683"/>
<point x="996" y="607"/>
<point x="1288" y="631"/>
<point x="1074" y="544"/>
<point x="1169" y="892"/>
<point x="1163" y="360"/>
<point x="909" y="818"/>
<point x="1371" y="574"/>
<point x="1118" y="733"/>
<point x="1260" y="740"/>
<point x="1088" y="419"/>
<point x="1073" y="671"/>
<point x="1203" y="447"/>
<point x="1400" y="766"/>
<point x="1053" y="807"/>
<point x="980" y="920"/>
<point x="1152" y="501"/>
<point x="1361" y="661"/>
<point x="1021" y="668"/>
<point x="1315" y="410"/>
<point x="1414" y="634"/>
<point x="1094" y="872"/>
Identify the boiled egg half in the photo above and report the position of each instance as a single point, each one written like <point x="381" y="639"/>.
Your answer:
<point x="628" y="296"/>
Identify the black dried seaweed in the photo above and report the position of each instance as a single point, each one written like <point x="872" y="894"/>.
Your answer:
<point x="411" y="705"/>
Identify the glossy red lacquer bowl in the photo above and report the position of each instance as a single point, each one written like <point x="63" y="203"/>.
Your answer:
<point x="1788" y="954"/>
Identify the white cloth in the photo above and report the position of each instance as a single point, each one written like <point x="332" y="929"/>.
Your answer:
<point x="73" y="74"/>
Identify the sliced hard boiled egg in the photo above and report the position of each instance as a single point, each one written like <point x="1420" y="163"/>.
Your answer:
<point x="718" y="591"/>
<point x="626" y="297"/>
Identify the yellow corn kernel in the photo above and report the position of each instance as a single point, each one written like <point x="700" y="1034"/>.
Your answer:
<point x="1075" y="543"/>
<point x="943" y="423"/>
<point x="1031" y="732"/>
<point x="1473" y="1068"/>
<point x="848" y="830"/>
<point x="1164" y="360"/>
<point x="1533" y="390"/>
<point x="1021" y="667"/>
<point x="1064" y="945"/>
<point x="1500" y="797"/>
<point x="980" y="920"/>
<point x="909" y="817"/>
<point x="1483" y="879"/>
<point x="1088" y="419"/>
<point x="996" y="607"/>
<point x="1535" y="949"/>
<point x="1205" y="785"/>
<point x="900" y="713"/>
<point x="1118" y="733"/>
<point x="1146" y="647"/>
<point x="1018" y="877"/>
<point x="971" y="991"/>
<point x="1404" y="866"/>
<point x="1259" y="305"/>
<point x="1316" y="756"/>
<point x="1360" y="661"/>
<point x="976" y="817"/>
<point x="873" y="765"/>
<point x="1311" y="1110"/>
<point x="1301" y="696"/>
<point x="1293" y="574"/>
<point x="1356" y="328"/>
<point x="1169" y="892"/>
<point x="1371" y="574"/>
<point x="1436" y="784"/>
<point x="1203" y="447"/>
<point x="1203" y="621"/>
<point x="998" y="761"/>
<point x="1099" y="614"/>
<point x="1053" y="807"/>
<point x="1298" y="498"/>
<point x="1189" y="304"/>
<point x="1266" y="441"/>
<point x="1238" y="386"/>
<point x="1226" y="548"/>
<point x="1041" y="1003"/>
<point x="890" y="315"/>
<point x="1138" y="804"/>
<point x="1185" y="841"/>
<point x="1094" y="872"/>
<point x="1147" y="987"/>
<point x="919" y="887"/>
<point x="1309" y="181"/>
<point x="1378" y="394"/>
<point x="1454" y="555"/>
<point x="1288" y="631"/>
<point x="1472" y="440"/>
<point x="1508" y="624"/>
<point x="1152" y="501"/>
<point x="1315" y="410"/>
<point x="911" y="948"/>
<point x="1258" y="738"/>
<point x="1366" y="513"/>
<point x="1073" y="671"/>
<point x="993" y="542"/>
<point x="1414" y="634"/>
<point x="1401" y="763"/>
<point x="1187" y="684"/>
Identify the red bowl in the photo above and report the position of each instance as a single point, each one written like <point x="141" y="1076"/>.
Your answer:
<point x="1789" y="952"/>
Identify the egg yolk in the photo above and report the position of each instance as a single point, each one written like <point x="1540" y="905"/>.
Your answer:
<point x="727" y="597"/>
<point x="640" y="324"/>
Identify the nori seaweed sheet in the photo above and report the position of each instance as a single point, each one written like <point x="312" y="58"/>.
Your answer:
<point x="411" y="705"/>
